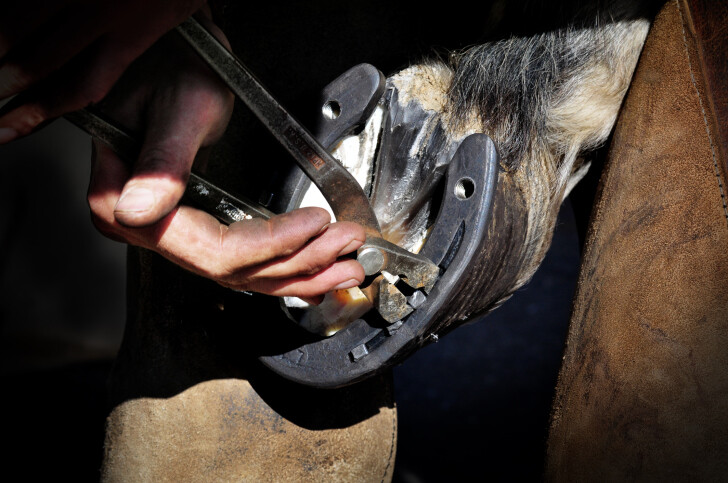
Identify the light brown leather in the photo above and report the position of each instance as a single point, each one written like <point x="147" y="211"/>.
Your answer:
<point x="643" y="391"/>
<point x="222" y="430"/>
<point x="191" y="402"/>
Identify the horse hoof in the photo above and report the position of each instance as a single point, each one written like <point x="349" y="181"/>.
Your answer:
<point x="436" y="190"/>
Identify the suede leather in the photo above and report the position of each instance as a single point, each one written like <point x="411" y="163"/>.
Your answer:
<point x="643" y="391"/>
<point x="707" y="21"/>
<point x="222" y="430"/>
<point x="191" y="402"/>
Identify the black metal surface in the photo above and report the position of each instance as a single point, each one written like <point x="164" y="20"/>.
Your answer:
<point x="356" y="92"/>
<point x="365" y="348"/>
<point x="348" y="102"/>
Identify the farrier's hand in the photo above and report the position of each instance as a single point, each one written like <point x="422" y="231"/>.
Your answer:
<point x="62" y="55"/>
<point x="182" y="107"/>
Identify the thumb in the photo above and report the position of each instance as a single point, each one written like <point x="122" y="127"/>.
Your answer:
<point x="160" y="175"/>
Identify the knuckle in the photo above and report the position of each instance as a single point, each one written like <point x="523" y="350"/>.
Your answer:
<point x="273" y="239"/>
<point x="235" y="281"/>
<point x="352" y="228"/>
<point x="221" y="270"/>
<point x="224" y="271"/>
<point x="214" y="108"/>
<point x="220" y="273"/>
<point x="311" y="267"/>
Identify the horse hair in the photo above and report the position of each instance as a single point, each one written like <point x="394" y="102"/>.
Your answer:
<point x="546" y="99"/>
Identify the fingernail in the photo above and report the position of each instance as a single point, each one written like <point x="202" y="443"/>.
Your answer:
<point x="353" y="245"/>
<point x="135" y="200"/>
<point x="323" y="228"/>
<point x="348" y="284"/>
<point x="7" y="134"/>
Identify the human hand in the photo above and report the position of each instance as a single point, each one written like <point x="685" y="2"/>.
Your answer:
<point x="62" y="55"/>
<point x="183" y="108"/>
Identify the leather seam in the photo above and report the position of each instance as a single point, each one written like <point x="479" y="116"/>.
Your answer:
<point x="393" y="441"/>
<point x="391" y="447"/>
<point x="716" y="168"/>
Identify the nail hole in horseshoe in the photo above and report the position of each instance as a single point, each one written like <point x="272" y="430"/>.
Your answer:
<point x="331" y="110"/>
<point x="464" y="188"/>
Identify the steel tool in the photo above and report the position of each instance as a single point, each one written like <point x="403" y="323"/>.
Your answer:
<point x="338" y="186"/>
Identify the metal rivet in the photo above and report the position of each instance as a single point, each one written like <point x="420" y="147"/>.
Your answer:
<point x="372" y="259"/>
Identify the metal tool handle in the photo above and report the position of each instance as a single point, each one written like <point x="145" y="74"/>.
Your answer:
<point x="200" y="192"/>
<point x="338" y="186"/>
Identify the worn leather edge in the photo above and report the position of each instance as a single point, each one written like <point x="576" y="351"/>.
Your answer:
<point x="707" y="21"/>
<point x="706" y="78"/>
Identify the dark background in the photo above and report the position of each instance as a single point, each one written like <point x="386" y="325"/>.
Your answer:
<point x="474" y="405"/>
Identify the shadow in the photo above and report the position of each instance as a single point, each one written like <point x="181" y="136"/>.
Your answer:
<point x="54" y="421"/>
<point x="476" y="405"/>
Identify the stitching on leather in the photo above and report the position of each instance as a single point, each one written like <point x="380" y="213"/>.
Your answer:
<point x="702" y="110"/>
<point x="390" y="460"/>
